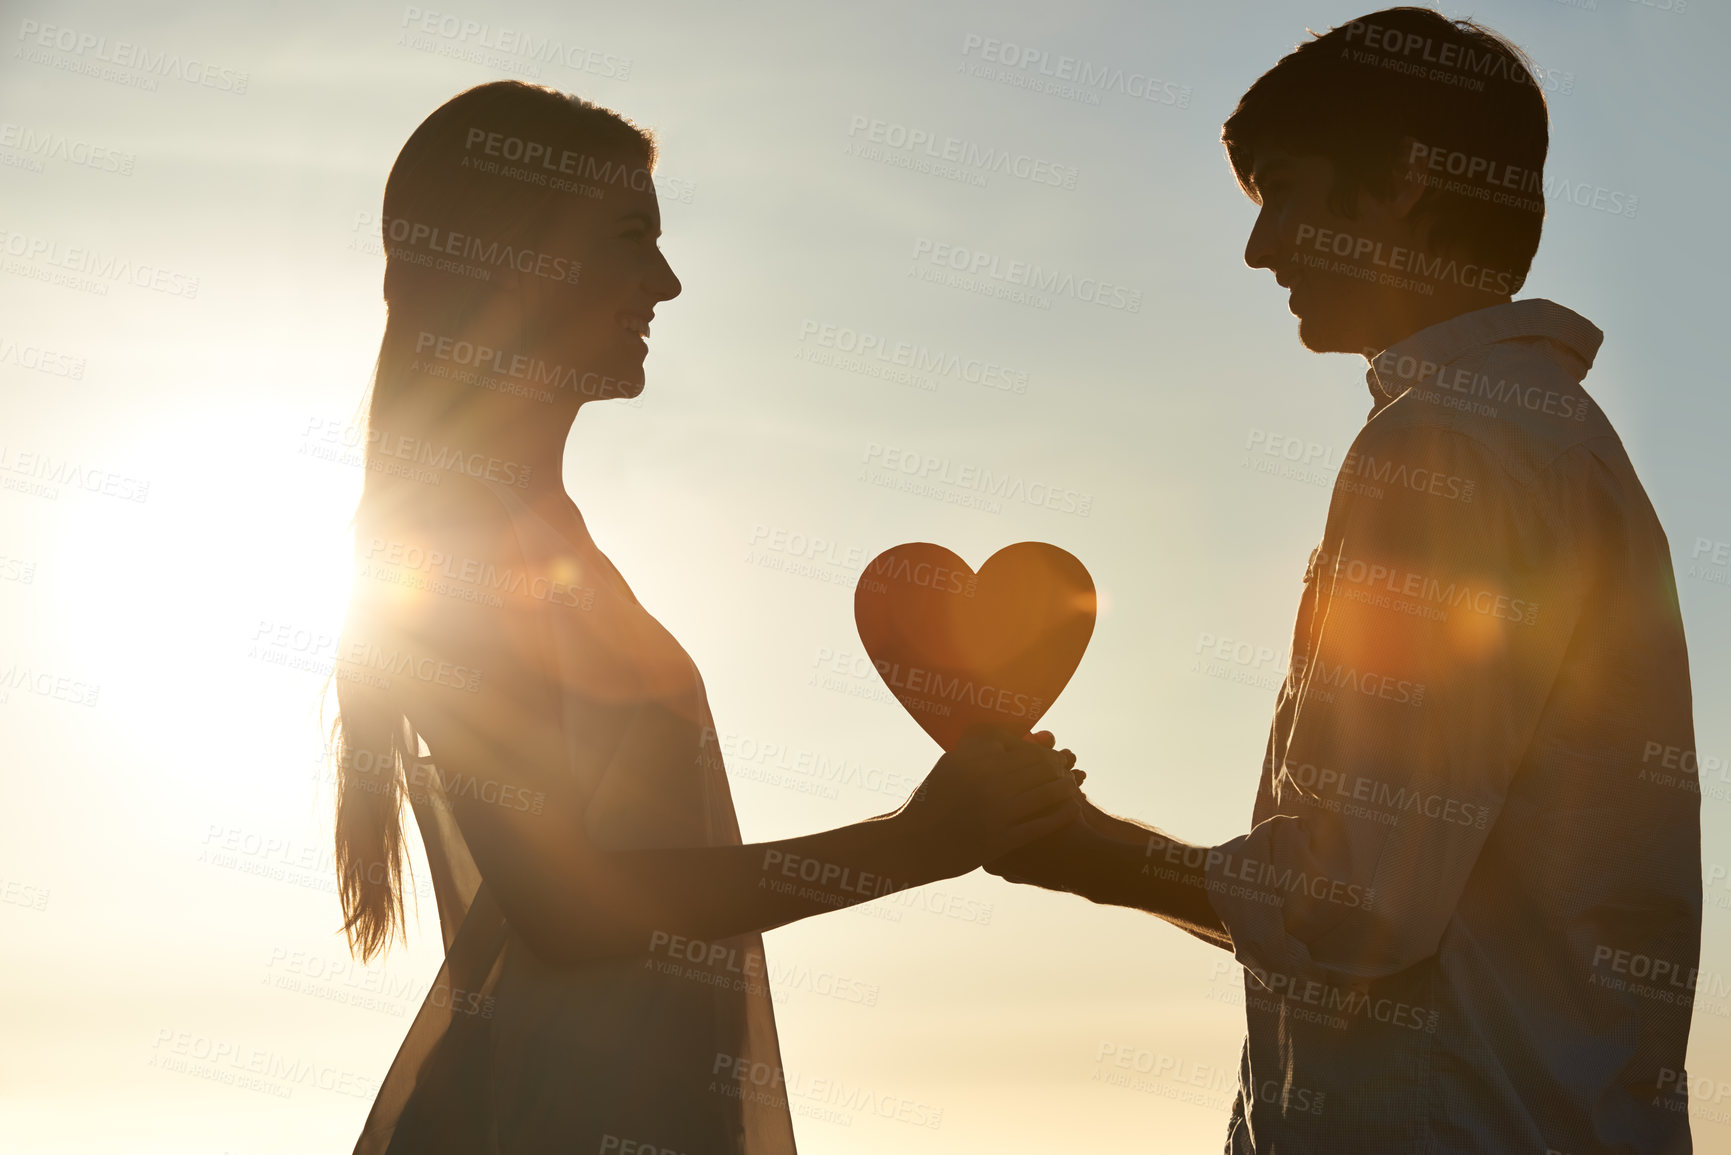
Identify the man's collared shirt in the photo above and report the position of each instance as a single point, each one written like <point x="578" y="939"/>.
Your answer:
<point x="1469" y="908"/>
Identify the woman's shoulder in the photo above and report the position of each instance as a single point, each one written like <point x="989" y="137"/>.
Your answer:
<point x="437" y="564"/>
<point x="461" y="524"/>
<point x="448" y="581"/>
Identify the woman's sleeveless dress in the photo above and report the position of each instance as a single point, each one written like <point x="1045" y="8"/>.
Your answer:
<point x="511" y="1056"/>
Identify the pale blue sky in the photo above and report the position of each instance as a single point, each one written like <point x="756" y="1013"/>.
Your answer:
<point x="129" y="821"/>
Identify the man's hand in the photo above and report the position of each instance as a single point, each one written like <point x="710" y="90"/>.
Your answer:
<point x="1059" y="860"/>
<point x="1054" y="860"/>
<point x="991" y="794"/>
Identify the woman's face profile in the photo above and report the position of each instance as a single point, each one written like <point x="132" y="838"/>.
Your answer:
<point x="599" y="326"/>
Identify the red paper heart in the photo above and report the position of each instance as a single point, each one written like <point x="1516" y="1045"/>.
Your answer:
<point x="958" y="649"/>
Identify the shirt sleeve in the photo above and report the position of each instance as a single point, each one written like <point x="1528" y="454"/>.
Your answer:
<point x="1447" y="592"/>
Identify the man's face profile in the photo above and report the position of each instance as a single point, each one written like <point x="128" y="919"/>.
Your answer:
<point x="1319" y="255"/>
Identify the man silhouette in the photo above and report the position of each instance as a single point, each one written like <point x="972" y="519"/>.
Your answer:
<point x="1469" y="906"/>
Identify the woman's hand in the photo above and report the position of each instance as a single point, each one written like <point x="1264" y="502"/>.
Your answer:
<point x="993" y="793"/>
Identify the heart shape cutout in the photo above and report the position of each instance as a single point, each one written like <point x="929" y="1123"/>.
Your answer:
<point x="958" y="648"/>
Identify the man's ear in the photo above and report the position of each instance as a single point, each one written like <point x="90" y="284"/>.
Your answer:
<point x="1409" y="178"/>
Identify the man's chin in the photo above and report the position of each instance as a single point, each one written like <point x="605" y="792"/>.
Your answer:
<point x="1320" y="337"/>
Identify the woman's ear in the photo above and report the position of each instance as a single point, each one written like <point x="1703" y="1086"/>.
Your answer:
<point x="519" y="302"/>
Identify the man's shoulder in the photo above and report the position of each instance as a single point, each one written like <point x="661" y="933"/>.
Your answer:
<point x="1520" y="408"/>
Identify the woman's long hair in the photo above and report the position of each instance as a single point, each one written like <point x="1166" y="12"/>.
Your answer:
<point x="487" y="172"/>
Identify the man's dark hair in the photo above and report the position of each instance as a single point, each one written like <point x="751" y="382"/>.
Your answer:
<point x="1467" y="98"/>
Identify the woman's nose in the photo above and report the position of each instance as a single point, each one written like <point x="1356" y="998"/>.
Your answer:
<point x="664" y="283"/>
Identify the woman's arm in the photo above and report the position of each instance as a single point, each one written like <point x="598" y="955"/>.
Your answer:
<point x="574" y="900"/>
<point x="494" y="730"/>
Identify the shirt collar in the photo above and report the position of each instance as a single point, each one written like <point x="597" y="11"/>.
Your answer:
<point x="1411" y="361"/>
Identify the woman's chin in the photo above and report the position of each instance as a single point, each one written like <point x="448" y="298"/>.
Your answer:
<point x="615" y="381"/>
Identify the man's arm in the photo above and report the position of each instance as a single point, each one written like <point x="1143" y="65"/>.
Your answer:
<point x="1116" y="862"/>
<point x="1440" y="630"/>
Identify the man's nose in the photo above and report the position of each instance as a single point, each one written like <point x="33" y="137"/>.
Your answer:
<point x="1261" y="249"/>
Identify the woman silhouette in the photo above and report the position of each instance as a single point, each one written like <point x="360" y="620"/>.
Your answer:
<point x="603" y="984"/>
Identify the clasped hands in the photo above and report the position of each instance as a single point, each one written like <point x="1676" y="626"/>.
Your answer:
<point x="1013" y="805"/>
